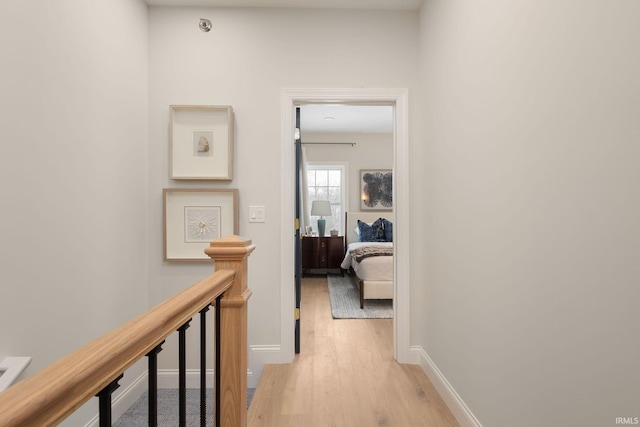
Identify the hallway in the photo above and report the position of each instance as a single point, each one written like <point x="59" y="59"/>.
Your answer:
<point x="345" y="375"/>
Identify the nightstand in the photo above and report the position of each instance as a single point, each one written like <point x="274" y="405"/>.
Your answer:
<point x="322" y="252"/>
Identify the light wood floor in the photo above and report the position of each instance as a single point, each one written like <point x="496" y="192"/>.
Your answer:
<point x="345" y="375"/>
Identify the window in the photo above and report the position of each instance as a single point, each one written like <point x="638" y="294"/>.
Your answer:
<point x="327" y="182"/>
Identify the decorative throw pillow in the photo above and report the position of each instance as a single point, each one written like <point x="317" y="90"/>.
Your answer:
<point x="388" y="230"/>
<point x="371" y="233"/>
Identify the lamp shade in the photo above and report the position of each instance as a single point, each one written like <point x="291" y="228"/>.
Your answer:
<point x="321" y="208"/>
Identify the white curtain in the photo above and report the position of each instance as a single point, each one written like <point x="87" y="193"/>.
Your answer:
<point x="305" y="218"/>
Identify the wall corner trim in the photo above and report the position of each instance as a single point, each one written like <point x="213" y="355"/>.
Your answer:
<point x="10" y="370"/>
<point x="453" y="400"/>
<point x="260" y="355"/>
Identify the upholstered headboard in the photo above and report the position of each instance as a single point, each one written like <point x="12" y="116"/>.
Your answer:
<point x="351" y="222"/>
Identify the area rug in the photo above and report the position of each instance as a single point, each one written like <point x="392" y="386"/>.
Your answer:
<point x="344" y="296"/>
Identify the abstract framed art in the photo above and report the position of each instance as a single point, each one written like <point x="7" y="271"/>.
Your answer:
<point x="201" y="142"/>
<point x="194" y="217"/>
<point x="376" y="189"/>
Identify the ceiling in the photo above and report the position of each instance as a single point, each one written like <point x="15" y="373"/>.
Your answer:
<point x="309" y="4"/>
<point x="323" y="118"/>
<point x="336" y="118"/>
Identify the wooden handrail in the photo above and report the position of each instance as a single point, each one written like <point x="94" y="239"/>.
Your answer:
<point x="54" y="393"/>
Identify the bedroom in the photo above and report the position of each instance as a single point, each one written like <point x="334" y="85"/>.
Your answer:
<point x="344" y="142"/>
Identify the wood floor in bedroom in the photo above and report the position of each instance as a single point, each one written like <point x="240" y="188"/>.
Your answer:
<point x="345" y="375"/>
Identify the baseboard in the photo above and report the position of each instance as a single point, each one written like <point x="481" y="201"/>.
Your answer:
<point x="259" y="355"/>
<point x="125" y="399"/>
<point x="169" y="378"/>
<point x="453" y="400"/>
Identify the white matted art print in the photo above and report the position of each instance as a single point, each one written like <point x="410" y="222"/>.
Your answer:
<point x="201" y="142"/>
<point x="201" y="223"/>
<point x="194" y="217"/>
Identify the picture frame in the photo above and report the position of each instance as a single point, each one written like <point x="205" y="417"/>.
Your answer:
<point x="201" y="142"/>
<point x="194" y="217"/>
<point x="376" y="189"/>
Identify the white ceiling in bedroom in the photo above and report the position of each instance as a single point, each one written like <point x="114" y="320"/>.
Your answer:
<point x="310" y="4"/>
<point x="329" y="118"/>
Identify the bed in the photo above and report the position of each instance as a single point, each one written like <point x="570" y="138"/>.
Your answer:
<point x="370" y="261"/>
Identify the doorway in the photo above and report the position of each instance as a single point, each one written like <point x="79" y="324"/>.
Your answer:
<point x="290" y="98"/>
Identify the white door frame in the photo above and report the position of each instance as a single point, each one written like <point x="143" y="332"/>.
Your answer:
<point x="367" y="96"/>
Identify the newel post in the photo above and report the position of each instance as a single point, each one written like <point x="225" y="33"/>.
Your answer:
<point x="232" y="253"/>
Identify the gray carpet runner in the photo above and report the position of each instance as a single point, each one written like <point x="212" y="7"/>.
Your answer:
<point x="137" y="414"/>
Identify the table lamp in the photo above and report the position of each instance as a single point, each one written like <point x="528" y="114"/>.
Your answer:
<point x="321" y="208"/>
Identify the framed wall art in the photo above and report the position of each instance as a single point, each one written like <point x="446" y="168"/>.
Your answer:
<point x="194" y="217"/>
<point x="201" y="142"/>
<point x="376" y="189"/>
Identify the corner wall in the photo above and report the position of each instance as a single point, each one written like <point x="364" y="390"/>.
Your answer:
<point x="73" y="175"/>
<point x="530" y="136"/>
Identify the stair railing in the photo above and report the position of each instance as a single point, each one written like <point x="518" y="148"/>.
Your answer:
<point x="48" y="397"/>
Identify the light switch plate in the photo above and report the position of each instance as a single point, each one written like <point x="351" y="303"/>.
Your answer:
<point x="257" y="214"/>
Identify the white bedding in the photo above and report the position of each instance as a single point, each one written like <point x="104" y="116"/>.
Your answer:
<point x="378" y="268"/>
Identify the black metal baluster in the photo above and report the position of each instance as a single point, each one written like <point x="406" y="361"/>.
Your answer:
<point x="203" y="366"/>
<point x="217" y="365"/>
<point x="153" y="384"/>
<point x="104" y="402"/>
<point x="182" y="373"/>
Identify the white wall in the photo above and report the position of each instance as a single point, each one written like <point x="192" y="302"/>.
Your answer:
<point x="371" y="151"/>
<point x="73" y="174"/>
<point x="530" y="137"/>
<point x="245" y="61"/>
